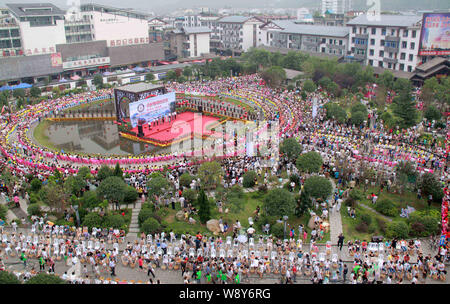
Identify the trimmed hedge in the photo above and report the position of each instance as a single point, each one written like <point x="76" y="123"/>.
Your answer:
<point x="249" y="179"/>
<point x="397" y="229"/>
<point x="151" y="226"/>
<point x="386" y="207"/>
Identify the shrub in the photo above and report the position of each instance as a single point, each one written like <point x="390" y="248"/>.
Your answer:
<point x="8" y="278"/>
<point x="92" y="220"/>
<point x="417" y="229"/>
<point x="429" y="222"/>
<point x="318" y="187"/>
<point x="397" y="229"/>
<point x="131" y="195"/>
<point x="190" y="195"/>
<point x="36" y="185"/>
<point x="43" y="278"/>
<point x="151" y="226"/>
<point x="186" y="179"/>
<point x="34" y="209"/>
<point x="366" y="218"/>
<point x="3" y="212"/>
<point x="381" y="225"/>
<point x="249" y="179"/>
<point x="362" y="227"/>
<point x="262" y="188"/>
<point x="279" y="202"/>
<point x="277" y="230"/>
<point x="114" y="221"/>
<point x="372" y="228"/>
<point x="386" y="207"/>
<point x="350" y="202"/>
<point x="356" y="195"/>
<point x="144" y="214"/>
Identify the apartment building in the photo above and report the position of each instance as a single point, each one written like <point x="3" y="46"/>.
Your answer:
<point x="391" y="42"/>
<point x="303" y="37"/>
<point x="336" y="6"/>
<point x="239" y="33"/>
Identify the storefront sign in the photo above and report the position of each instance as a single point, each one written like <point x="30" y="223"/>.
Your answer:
<point x="86" y="63"/>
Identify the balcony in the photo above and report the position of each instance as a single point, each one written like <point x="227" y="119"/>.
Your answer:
<point x="360" y="56"/>
<point x="362" y="36"/>
<point x="392" y="38"/>
<point x="390" y="60"/>
<point x="390" y="49"/>
<point x="361" y="46"/>
<point x="311" y="43"/>
<point x="335" y="46"/>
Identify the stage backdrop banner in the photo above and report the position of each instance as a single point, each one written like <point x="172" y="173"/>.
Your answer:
<point x="146" y="110"/>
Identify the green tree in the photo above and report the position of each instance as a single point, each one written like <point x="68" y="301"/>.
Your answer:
<point x="19" y="93"/>
<point x="291" y="148"/>
<point x="92" y="219"/>
<point x="429" y="184"/>
<point x="279" y="202"/>
<point x="75" y="185"/>
<point x="55" y="197"/>
<point x="249" y="179"/>
<point x="204" y="207"/>
<point x="402" y="85"/>
<point x="274" y="76"/>
<point x="104" y="172"/>
<point x="112" y="189"/>
<point x="171" y="76"/>
<point x="310" y="162"/>
<point x="358" y="118"/>
<point x="334" y="111"/>
<point x="157" y="185"/>
<point x="359" y="107"/>
<point x="304" y="203"/>
<point x="56" y="91"/>
<point x="118" y="171"/>
<point x="35" y="92"/>
<point x="131" y="195"/>
<point x="187" y="72"/>
<point x="149" y="76"/>
<point x="84" y="172"/>
<point x="210" y="174"/>
<point x="186" y="179"/>
<point x="432" y="113"/>
<point x="318" y="187"/>
<point x="43" y="278"/>
<point x="8" y="278"/>
<point x="309" y="86"/>
<point x="386" y="79"/>
<point x="36" y="185"/>
<point x="98" y="81"/>
<point x="405" y="110"/>
<point x="90" y="200"/>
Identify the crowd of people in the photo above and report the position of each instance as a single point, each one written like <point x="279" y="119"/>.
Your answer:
<point x="371" y="146"/>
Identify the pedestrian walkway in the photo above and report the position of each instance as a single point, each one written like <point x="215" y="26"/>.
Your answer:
<point x="134" y="225"/>
<point x="335" y="219"/>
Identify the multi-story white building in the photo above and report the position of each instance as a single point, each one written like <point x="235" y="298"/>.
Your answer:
<point x="239" y="32"/>
<point x="197" y="41"/>
<point x="41" y="27"/>
<point x="391" y="42"/>
<point x="308" y="38"/>
<point x="336" y="6"/>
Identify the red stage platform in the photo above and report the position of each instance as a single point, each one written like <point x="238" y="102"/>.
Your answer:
<point x="187" y="123"/>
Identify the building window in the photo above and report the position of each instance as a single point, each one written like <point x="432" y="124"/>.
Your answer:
<point x="411" y="57"/>
<point x="371" y="52"/>
<point x="353" y="40"/>
<point x="413" y="45"/>
<point x="353" y="50"/>
<point x="354" y="30"/>
<point x="323" y="50"/>
<point x="381" y="53"/>
<point x="372" y="41"/>
<point x="409" y="68"/>
<point x="371" y="62"/>
<point x="405" y="33"/>
<point x="365" y="31"/>
<point x="392" y="32"/>
<point x="380" y="64"/>
<point x="389" y="65"/>
<point x="414" y="34"/>
<point x="383" y="32"/>
<point x="374" y="31"/>
<point x="402" y="56"/>
<point x="404" y="45"/>
<point x="382" y="42"/>
<point x="402" y="67"/>
<point x="331" y="41"/>
<point x="340" y="42"/>
<point x="325" y="40"/>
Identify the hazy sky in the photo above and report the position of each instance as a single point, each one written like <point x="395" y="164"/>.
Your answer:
<point x="167" y="6"/>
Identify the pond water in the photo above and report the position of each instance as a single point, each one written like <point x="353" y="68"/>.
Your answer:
<point x="96" y="137"/>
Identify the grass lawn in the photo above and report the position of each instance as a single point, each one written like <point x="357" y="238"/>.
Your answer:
<point x="88" y="104"/>
<point x="349" y="224"/>
<point x="408" y="198"/>
<point x="252" y="199"/>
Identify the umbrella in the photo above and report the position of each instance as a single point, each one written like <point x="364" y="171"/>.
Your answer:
<point x="76" y="77"/>
<point x="5" y="87"/>
<point x="138" y="69"/>
<point x="242" y="238"/>
<point x="21" y="86"/>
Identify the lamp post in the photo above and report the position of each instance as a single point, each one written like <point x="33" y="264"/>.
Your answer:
<point x="285" y="218"/>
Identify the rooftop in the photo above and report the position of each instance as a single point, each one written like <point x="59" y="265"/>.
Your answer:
<point x="234" y="19"/>
<point x="34" y="9"/>
<point x="197" y="30"/>
<point x="140" y="87"/>
<point x="316" y="30"/>
<point x="386" y="20"/>
<point x="110" y="9"/>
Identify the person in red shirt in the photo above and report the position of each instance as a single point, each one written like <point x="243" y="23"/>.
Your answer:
<point x="141" y="263"/>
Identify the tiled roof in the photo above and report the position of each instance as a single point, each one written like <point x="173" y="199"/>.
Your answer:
<point x="386" y="20"/>
<point x="27" y="66"/>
